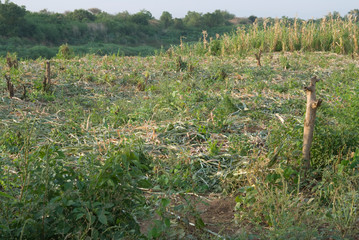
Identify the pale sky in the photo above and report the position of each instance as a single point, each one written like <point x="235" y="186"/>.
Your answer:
<point x="178" y="8"/>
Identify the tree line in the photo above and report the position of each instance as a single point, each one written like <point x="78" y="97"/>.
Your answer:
<point x="40" y="33"/>
<point x="81" y="26"/>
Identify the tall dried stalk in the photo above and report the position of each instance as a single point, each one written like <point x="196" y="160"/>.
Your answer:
<point x="205" y="42"/>
<point x="330" y="34"/>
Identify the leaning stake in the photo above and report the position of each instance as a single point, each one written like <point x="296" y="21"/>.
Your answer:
<point x="312" y="106"/>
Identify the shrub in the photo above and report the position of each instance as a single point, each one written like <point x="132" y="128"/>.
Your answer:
<point x="215" y="47"/>
<point x="65" y="52"/>
<point x="40" y="51"/>
<point x="60" y="200"/>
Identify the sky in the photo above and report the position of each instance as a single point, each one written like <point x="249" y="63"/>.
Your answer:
<point x="304" y="9"/>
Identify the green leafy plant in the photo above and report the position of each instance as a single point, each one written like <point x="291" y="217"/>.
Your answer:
<point x="162" y="226"/>
<point x="215" y="47"/>
<point x="65" y="52"/>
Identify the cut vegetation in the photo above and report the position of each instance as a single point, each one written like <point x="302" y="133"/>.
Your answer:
<point x="199" y="142"/>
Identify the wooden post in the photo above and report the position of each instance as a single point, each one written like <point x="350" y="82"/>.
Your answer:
<point x="47" y="79"/>
<point x="48" y="73"/>
<point x="10" y="86"/>
<point x="312" y="106"/>
<point x="258" y="57"/>
<point x="24" y="92"/>
<point x="11" y="61"/>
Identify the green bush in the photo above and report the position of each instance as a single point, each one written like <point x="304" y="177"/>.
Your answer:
<point x="93" y="199"/>
<point x="215" y="47"/>
<point x="39" y="51"/>
<point x="65" y="52"/>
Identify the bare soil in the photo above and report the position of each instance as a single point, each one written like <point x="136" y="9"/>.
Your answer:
<point x="216" y="212"/>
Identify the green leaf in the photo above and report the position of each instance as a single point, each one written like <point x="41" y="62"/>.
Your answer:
<point x="102" y="218"/>
<point x="61" y="155"/>
<point x="2" y="194"/>
<point x="239" y="199"/>
<point x="144" y="183"/>
<point x="110" y="183"/>
<point x="70" y="203"/>
<point x="80" y="215"/>
<point x="165" y="202"/>
<point x="167" y="222"/>
<point x="199" y="223"/>
<point x="154" y="233"/>
<point x="91" y="218"/>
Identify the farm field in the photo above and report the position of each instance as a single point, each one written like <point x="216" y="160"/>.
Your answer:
<point x="179" y="146"/>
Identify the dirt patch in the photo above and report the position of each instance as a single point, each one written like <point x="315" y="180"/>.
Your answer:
<point x="216" y="212"/>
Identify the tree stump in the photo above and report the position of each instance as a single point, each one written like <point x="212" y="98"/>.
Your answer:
<point x="312" y="106"/>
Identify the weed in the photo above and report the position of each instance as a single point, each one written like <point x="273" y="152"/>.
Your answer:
<point x="215" y="47"/>
<point x="11" y="60"/>
<point x="180" y="64"/>
<point x="65" y="52"/>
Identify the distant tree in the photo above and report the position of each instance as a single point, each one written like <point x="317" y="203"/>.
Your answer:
<point x="333" y="15"/>
<point x="81" y="15"/>
<point x="336" y="15"/>
<point x="217" y="18"/>
<point x="178" y="23"/>
<point x="354" y="14"/>
<point x="45" y="11"/>
<point x="95" y="11"/>
<point x="11" y="18"/>
<point x="193" y="19"/>
<point x="141" y="17"/>
<point x="123" y="16"/>
<point x="252" y="18"/>
<point x="212" y="20"/>
<point x="226" y="15"/>
<point x="166" y="19"/>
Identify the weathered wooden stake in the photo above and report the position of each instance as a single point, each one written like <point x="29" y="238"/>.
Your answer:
<point x="11" y="61"/>
<point x="312" y="106"/>
<point x="258" y="57"/>
<point x="24" y="92"/>
<point x="10" y="86"/>
<point x="47" y="79"/>
<point x="48" y="73"/>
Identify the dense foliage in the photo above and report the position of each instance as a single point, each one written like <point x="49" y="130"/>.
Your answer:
<point x="100" y="32"/>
